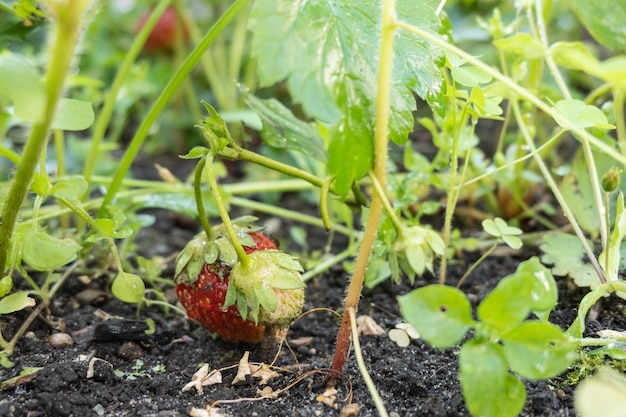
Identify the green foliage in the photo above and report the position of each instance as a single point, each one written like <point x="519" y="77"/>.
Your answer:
<point x="44" y="252"/>
<point x="445" y="314"/>
<point x="328" y="57"/>
<point x="605" y="21"/>
<point x="500" y="229"/>
<point x="128" y="287"/>
<point x="505" y="339"/>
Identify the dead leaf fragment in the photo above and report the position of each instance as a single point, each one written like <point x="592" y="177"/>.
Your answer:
<point x="367" y="326"/>
<point x="301" y="341"/>
<point x="263" y="372"/>
<point x="267" y="392"/>
<point x="329" y="397"/>
<point x="243" y="370"/>
<point x="203" y="378"/>
<point x="350" y="410"/>
<point x="207" y="412"/>
<point x="24" y="377"/>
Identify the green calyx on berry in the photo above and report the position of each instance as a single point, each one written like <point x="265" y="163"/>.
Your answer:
<point x="205" y="249"/>
<point x="268" y="290"/>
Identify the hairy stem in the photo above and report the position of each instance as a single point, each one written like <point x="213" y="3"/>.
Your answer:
<point x="380" y="171"/>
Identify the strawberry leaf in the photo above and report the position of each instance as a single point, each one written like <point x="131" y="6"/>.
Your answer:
<point x="282" y="129"/>
<point x="327" y="51"/>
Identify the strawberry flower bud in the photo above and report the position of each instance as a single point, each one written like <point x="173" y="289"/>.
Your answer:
<point x="610" y="180"/>
<point x="414" y="251"/>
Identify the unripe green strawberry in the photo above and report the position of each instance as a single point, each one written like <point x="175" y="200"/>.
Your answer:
<point x="235" y="301"/>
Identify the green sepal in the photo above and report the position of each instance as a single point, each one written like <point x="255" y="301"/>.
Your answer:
<point x="257" y="285"/>
<point x="202" y="249"/>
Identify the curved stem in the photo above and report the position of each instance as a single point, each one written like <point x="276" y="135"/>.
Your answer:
<point x="169" y="90"/>
<point x="478" y="262"/>
<point x="197" y="192"/>
<point x="513" y="86"/>
<point x="324" y="203"/>
<point x="380" y="171"/>
<point x="221" y="208"/>
<point x="69" y="23"/>
<point x="556" y="192"/>
<point x="397" y="224"/>
<point x="369" y="383"/>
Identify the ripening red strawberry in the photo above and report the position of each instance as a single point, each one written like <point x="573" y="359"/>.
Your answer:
<point x="240" y="303"/>
<point x="163" y="36"/>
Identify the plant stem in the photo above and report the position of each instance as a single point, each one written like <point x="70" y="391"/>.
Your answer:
<point x="587" y="151"/>
<point x="511" y="85"/>
<point x="69" y="19"/>
<point x="583" y="135"/>
<point x="380" y="171"/>
<point x="453" y="194"/>
<point x="369" y="383"/>
<point x="111" y="98"/>
<point x="163" y="99"/>
<point x="10" y="347"/>
<point x="556" y="192"/>
<point x="478" y="262"/>
<point x="286" y="214"/>
<point x="197" y="188"/>
<point x="378" y="189"/>
<point x="244" y="259"/>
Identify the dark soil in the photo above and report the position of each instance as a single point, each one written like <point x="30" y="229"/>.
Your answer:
<point x="414" y="381"/>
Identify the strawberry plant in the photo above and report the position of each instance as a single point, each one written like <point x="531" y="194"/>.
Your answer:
<point x="344" y="96"/>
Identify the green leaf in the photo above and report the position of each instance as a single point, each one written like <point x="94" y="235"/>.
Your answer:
<point x="604" y="19"/>
<point x="327" y="50"/>
<point x="73" y="115"/>
<point x="575" y="114"/>
<point x="128" y="287"/>
<point x="45" y="253"/>
<point x="282" y="129"/>
<point x="539" y="350"/>
<point x="351" y="149"/>
<point x="469" y="76"/>
<point x="442" y="315"/>
<point x="574" y="55"/>
<point x="488" y="388"/>
<point x="589" y="300"/>
<point x="16" y="302"/>
<point x="521" y="44"/>
<point x="544" y="292"/>
<point x="72" y="188"/>
<point x="196" y="152"/>
<point x="21" y="83"/>
<point x="565" y="252"/>
<point x="6" y="285"/>
<point x="179" y="202"/>
<point x="507" y="305"/>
